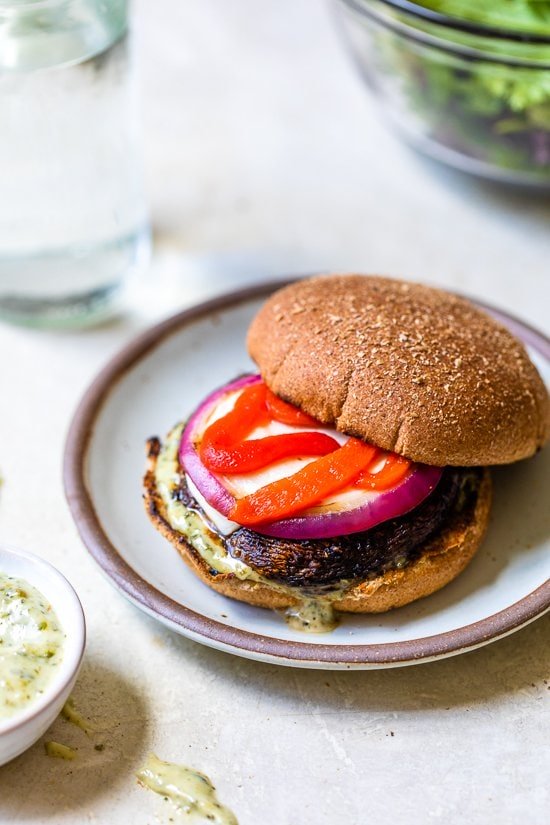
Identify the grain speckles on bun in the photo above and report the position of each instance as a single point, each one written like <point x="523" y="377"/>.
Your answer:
<point x="410" y="368"/>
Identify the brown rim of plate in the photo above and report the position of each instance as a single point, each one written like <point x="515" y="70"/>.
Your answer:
<point x="215" y="633"/>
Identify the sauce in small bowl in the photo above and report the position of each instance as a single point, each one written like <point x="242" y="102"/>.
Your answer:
<point x="42" y="638"/>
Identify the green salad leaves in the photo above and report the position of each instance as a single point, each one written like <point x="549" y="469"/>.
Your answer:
<point x="515" y="15"/>
<point x="484" y="99"/>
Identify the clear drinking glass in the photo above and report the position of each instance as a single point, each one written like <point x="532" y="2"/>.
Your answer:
<point x="73" y="218"/>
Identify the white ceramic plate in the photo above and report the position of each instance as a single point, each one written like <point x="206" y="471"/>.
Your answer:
<point x="157" y="381"/>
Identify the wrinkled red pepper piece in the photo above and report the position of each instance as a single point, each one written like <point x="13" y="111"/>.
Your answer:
<point x="310" y="485"/>
<point x="392" y="473"/>
<point x="255" y="454"/>
<point x="224" y="450"/>
<point x="287" y="413"/>
<point x="248" y="413"/>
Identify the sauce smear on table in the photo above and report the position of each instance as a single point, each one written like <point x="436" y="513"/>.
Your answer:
<point x="189" y="791"/>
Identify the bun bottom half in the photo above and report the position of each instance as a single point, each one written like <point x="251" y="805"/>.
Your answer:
<point x="441" y="558"/>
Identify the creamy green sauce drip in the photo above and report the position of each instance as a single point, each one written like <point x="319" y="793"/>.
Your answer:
<point x="185" y="521"/>
<point x="59" y="751"/>
<point x="31" y="644"/>
<point x="71" y="714"/>
<point x="189" y="791"/>
<point x="313" y="614"/>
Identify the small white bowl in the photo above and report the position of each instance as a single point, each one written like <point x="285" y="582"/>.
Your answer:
<point x="22" y="730"/>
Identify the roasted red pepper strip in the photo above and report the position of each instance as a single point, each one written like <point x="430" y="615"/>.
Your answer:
<point x="248" y="413"/>
<point x="286" y="413"/>
<point x="307" y="487"/>
<point x="260" y="452"/>
<point x="223" y="449"/>
<point x="394" y="470"/>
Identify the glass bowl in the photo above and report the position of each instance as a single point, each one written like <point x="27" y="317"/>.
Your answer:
<point x="473" y="96"/>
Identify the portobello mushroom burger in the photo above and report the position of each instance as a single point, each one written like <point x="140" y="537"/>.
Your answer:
<point x="350" y="473"/>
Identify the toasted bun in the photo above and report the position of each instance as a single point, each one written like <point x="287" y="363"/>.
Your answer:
<point x="409" y="368"/>
<point x="442" y="558"/>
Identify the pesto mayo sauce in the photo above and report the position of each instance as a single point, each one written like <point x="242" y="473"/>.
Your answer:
<point x="312" y="615"/>
<point x="189" y="791"/>
<point x="314" y="612"/>
<point x="205" y="541"/>
<point x="31" y="645"/>
<point x="59" y="751"/>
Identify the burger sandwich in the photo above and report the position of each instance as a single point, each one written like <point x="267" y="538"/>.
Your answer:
<point x="350" y="473"/>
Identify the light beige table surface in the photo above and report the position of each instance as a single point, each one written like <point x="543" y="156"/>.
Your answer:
<point x="264" y="156"/>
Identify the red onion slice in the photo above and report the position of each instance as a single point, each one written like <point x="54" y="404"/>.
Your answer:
<point x="381" y="507"/>
<point x="373" y="509"/>
<point x="205" y="481"/>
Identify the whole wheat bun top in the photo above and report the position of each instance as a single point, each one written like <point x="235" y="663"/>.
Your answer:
<point x="407" y="367"/>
